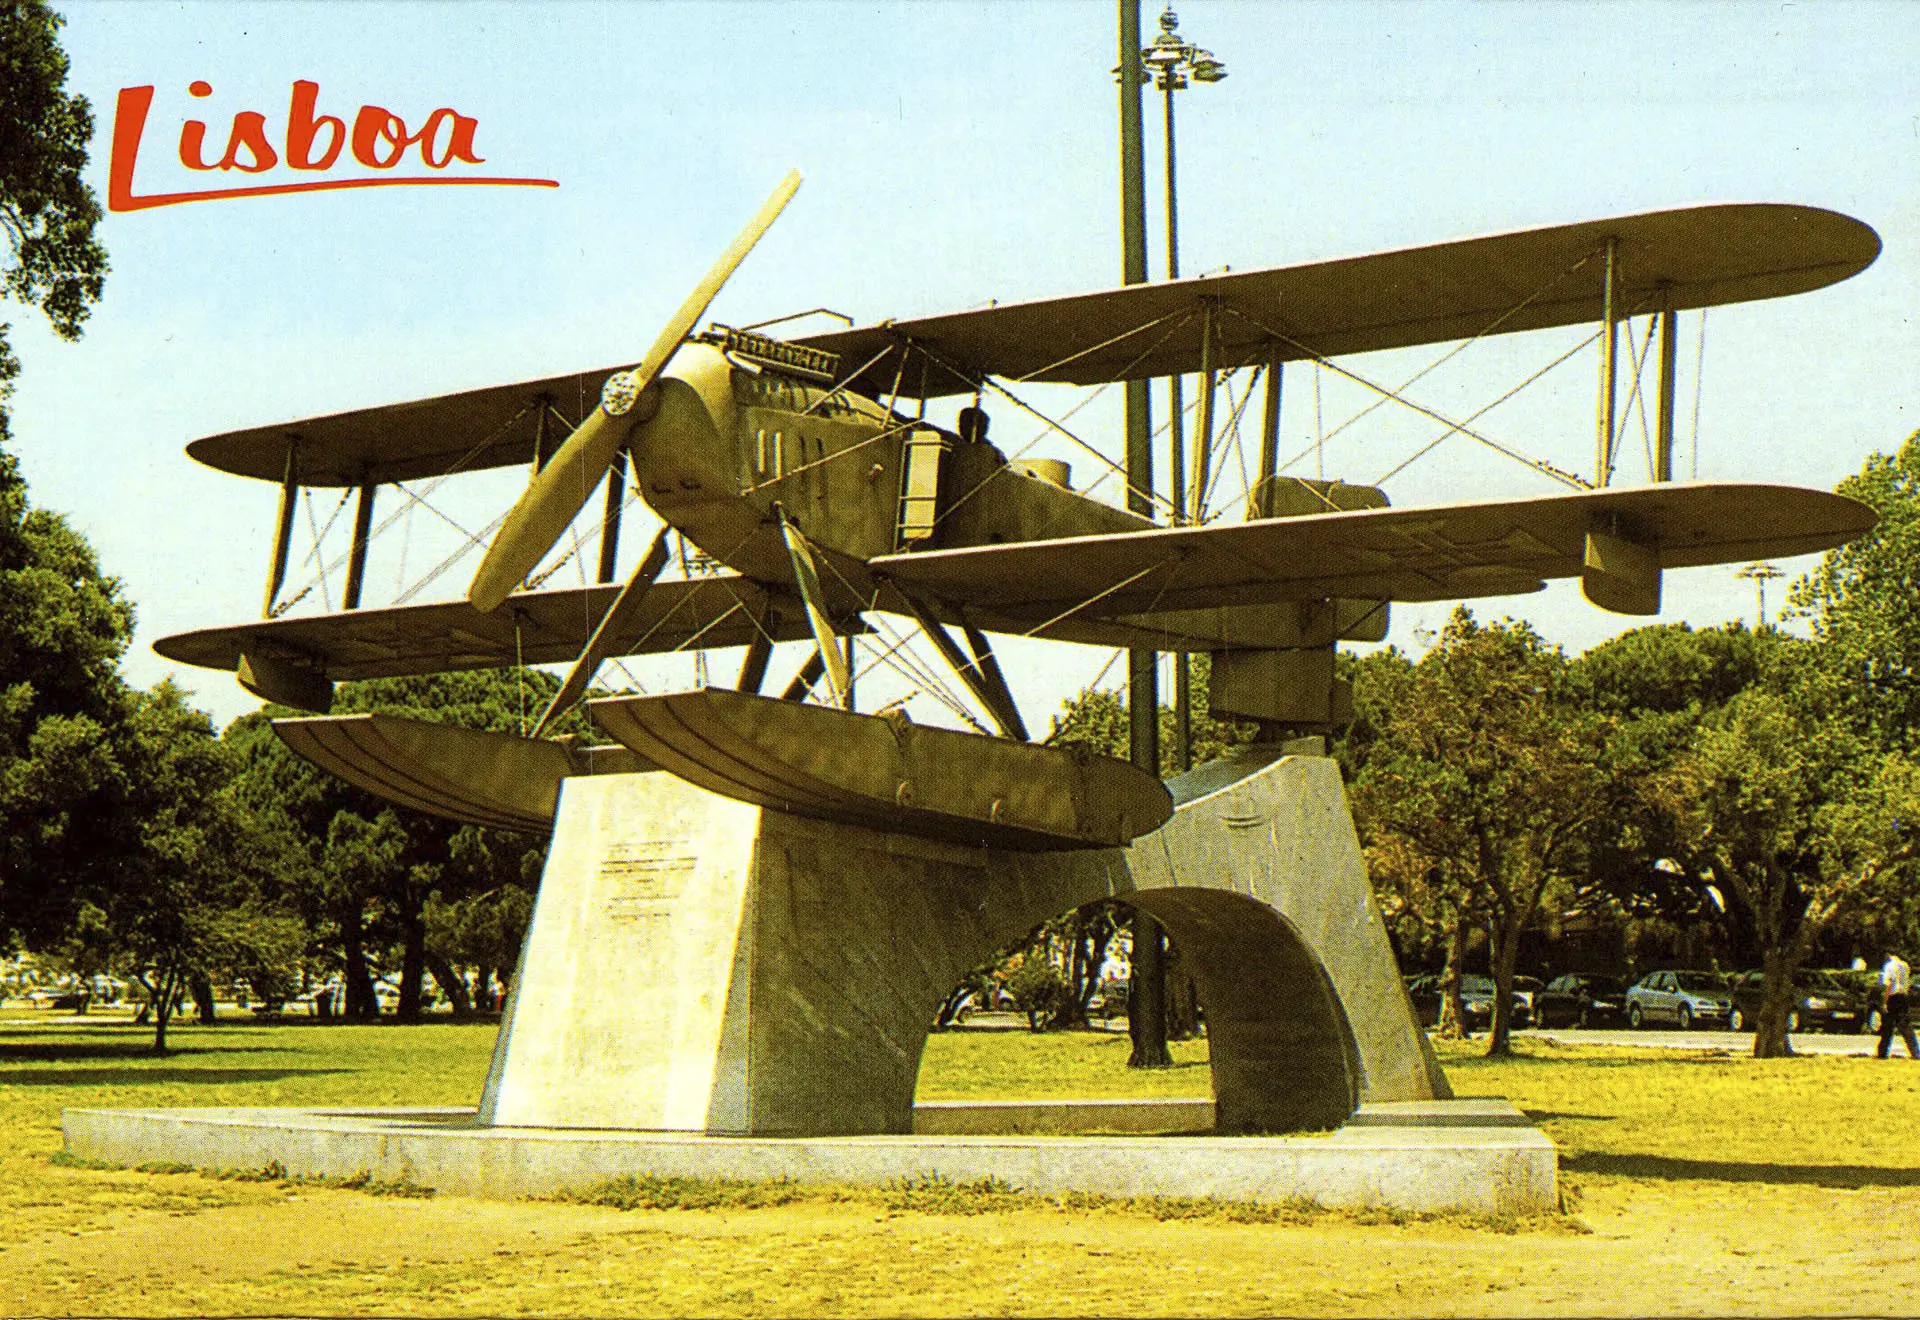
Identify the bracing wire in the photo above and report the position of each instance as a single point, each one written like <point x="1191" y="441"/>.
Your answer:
<point x="1452" y="427"/>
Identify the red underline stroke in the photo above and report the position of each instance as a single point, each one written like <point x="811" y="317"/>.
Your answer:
<point x="129" y="201"/>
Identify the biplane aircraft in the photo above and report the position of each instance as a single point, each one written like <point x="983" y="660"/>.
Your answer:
<point x="806" y="470"/>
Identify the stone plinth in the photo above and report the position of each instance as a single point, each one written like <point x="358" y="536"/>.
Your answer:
<point x="700" y="965"/>
<point x="1475" y="1165"/>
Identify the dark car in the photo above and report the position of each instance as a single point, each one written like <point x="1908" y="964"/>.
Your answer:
<point x="1423" y="992"/>
<point x="1581" y="999"/>
<point x="1820" y="1003"/>
<point x="1476" y="1000"/>
<point x="1863" y="986"/>
<point x="1680" y="997"/>
<point x="1526" y="996"/>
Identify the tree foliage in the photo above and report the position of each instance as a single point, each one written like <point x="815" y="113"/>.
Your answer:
<point x="47" y="211"/>
<point x="372" y="877"/>
<point x="1798" y="818"/>
<point x="1861" y="598"/>
<point x="1481" y="783"/>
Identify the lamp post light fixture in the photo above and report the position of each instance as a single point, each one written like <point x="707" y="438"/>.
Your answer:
<point x="1760" y="574"/>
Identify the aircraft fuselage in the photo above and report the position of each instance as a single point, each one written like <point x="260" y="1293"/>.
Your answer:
<point x="728" y="447"/>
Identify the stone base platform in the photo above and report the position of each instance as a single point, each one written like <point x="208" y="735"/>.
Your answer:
<point x="1474" y="1155"/>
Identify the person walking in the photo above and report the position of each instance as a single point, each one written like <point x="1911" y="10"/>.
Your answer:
<point x="1896" y="979"/>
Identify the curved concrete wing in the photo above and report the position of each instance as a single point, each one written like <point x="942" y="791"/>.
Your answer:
<point x="889" y="773"/>
<point x="493" y="779"/>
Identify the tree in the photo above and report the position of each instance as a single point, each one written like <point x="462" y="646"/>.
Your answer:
<point x="1425" y="901"/>
<point x="1860" y="601"/>
<point x="1655" y="685"/>
<point x="62" y="629"/>
<point x="1488" y="772"/>
<point x="62" y="622"/>
<point x="1798" y="817"/>
<point x="191" y="892"/>
<point x="376" y="877"/>
<point x="47" y="211"/>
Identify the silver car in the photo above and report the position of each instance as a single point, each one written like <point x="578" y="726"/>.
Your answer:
<point x="1682" y="998"/>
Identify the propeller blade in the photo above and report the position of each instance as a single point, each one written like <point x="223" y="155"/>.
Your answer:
<point x="561" y="489"/>
<point x="613" y="636"/>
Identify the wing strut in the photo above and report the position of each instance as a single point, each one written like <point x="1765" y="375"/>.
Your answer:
<point x="839" y="678"/>
<point x="614" y="635"/>
<point x="981" y="674"/>
<point x="753" y="669"/>
<point x="804" y="680"/>
<point x="283" y="530"/>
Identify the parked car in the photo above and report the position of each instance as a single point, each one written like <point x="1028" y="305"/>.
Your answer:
<point x="1476" y="1000"/>
<point x="1820" y="1003"/>
<point x="1526" y="994"/>
<point x="1863" y="985"/>
<point x="1680" y="997"/>
<point x="1581" y="999"/>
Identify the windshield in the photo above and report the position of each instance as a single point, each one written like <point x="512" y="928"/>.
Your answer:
<point x="1698" y="983"/>
<point x="1475" y="985"/>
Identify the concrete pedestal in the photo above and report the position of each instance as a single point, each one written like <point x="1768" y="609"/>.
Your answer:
<point x="696" y="964"/>
<point x="712" y="989"/>
<point x="1473" y="1155"/>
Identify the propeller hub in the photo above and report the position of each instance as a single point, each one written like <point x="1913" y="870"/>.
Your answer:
<point x="620" y="392"/>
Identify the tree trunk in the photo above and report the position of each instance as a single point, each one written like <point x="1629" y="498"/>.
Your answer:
<point x="1147" y="996"/>
<point x="1453" y="1013"/>
<point x="163" y="1009"/>
<point x="452" y="986"/>
<point x="1777" y="999"/>
<point x="413" y="965"/>
<point x="1505" y="951"/>
<point x="202" y="990"/>
<point x="1183" y="1009"/>
<point x="357" y="980"/>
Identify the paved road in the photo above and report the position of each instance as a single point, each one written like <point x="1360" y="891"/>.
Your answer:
<point x="1739" y="1042"/>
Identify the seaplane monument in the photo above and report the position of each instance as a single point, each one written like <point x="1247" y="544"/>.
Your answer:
<point x="797" y="884"/>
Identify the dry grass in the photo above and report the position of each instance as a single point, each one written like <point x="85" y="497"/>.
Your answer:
<point x="1710" y="1184"/>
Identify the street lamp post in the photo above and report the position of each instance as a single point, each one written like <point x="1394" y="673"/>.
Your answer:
<point x="1760" y="574"/>
<point x="1172" y="64"/>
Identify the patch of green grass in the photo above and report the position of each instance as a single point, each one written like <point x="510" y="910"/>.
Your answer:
<point x="276" y="1173"/>
<point x="106" y="1064"/>
<point x="937" y="1195"/>
<point x="1055" y="1065"/>
<point x="1820" y="1120"/>
<point x="642" y="1191"/>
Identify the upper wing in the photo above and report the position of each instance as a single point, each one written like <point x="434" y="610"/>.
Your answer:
<point x="537" y="627"/>
<point x="1699" y="256"/>
<point x="1441" y="552"/>
<point x="465" y="432"/>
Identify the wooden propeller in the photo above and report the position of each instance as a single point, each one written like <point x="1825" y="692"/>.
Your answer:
<point x="561" y="489"/>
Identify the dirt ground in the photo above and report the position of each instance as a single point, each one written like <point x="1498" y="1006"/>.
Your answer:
<point x="1684" y="1248"/>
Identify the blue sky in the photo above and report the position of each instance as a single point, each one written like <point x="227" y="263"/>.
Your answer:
<point x="954" y="154"/>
